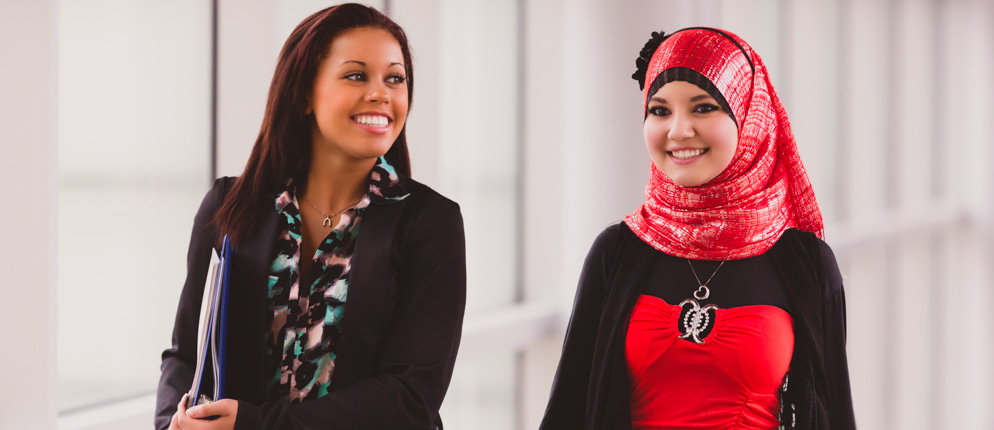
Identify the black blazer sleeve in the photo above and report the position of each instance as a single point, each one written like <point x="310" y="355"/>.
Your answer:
<point x="840" y="404"/>
<point x="568" y="399"/>
<point x="179" y="360"/>
<point x="418" y="354"/>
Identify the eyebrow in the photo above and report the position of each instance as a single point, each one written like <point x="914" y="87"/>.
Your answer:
<point x="363" y="64"/>
<point x="692" y="99"/>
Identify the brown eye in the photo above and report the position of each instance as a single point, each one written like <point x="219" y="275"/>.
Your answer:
<point x="658" y="111"/>
<point x="356" y="76"/>
<point x="706" y="108"/>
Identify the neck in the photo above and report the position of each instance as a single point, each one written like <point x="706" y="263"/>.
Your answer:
<point x="335" y="182"/>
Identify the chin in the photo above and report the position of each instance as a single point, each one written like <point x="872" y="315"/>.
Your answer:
<point x="687" y="184"/>
<point x="688" y="181"/>
<point x="373" y="149"/>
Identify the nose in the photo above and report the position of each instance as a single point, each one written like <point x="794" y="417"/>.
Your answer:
<point x="681" y="127"/>
<point x="377" y="93"/>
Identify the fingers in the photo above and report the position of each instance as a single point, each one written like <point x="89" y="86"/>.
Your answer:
<point x="181" y="407"/>
<point x="192" y="419"/>
<point x="180" y="410"/>
<point x="174" y="423"/>
<point x="220" y="408"/>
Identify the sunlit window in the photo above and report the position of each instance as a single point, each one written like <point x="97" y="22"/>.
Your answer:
<point x="134" y="162"/>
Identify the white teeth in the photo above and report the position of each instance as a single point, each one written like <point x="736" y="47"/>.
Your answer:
<point x="373" y="120"/>
<point x="687" y="153"/>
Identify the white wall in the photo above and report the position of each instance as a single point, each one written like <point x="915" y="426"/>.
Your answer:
<point x="27" y="213"/>
<point x="134" y="139"/>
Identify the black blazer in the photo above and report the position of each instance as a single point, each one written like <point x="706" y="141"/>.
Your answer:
<point x="407" y="295"/>
<point x="591" y="389"/>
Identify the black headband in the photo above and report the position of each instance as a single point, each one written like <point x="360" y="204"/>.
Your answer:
<point x="694" y="77"/>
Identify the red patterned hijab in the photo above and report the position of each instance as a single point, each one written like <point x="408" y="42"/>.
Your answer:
<point x="764" y="190"/>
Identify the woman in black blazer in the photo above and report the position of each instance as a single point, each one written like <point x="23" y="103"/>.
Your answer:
<point x="330" y="325"/>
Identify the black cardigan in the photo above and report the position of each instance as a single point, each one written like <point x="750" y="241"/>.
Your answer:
<point x="407" y="295"/>
<point x="591" y="388"/>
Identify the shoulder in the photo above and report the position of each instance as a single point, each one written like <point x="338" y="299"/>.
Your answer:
<point x="424" y="194"/>
<point x="214" y="197"/>
<point x="430" y="229"/>
<point x="225" y="182"/>
<point x="203" y="222"/>
<point x="821" y="256"/>
<point x="219" y="189"/>
<point x="608" y="244"/>
<point x="426" y="212"/>
<point x="422" y="199"/>
<point x="611" y="238"/>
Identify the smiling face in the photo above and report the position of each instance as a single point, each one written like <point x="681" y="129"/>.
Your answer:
<point x="359" y="98"/>
<point x="690" y="138"/>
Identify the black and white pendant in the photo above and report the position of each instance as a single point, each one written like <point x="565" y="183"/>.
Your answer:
<point x="696" y="321"/>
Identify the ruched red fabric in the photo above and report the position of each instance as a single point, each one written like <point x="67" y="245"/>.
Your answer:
<point x="732" y="381"/>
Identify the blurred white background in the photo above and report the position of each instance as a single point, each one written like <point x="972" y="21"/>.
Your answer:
<point x="112" y="124"/>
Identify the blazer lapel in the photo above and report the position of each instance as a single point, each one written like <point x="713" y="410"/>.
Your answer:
<point x="250" y="265"/>
<point x="372" y="284"/>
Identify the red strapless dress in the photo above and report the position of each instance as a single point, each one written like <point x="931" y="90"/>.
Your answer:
<point x="732" y="381"/>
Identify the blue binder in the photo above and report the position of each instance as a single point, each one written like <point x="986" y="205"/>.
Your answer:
<point x="213" y="333"/>
<point x="223" y="331"/>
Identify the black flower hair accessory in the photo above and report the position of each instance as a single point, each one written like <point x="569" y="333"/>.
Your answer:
<point x="642" y="62"/>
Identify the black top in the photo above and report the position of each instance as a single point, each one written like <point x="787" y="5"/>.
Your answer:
<point x="398" y="345"/>
<point x="745" y="282"/>
<point x="591" y="388"/>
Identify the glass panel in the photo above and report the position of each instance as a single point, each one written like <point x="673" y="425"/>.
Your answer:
<point x="478" y="140"/>
<point x="482" y="394"/>
<point x="134" y="154"/>
<point x="290" y="13"/>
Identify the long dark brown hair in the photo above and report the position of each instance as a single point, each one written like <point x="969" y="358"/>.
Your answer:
<point x="283" y="148"/>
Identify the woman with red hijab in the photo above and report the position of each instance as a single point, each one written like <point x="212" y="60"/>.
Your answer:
<point x="716" y="304"/>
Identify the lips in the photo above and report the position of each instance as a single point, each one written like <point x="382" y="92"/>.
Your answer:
<point x="686" y="154"/>
<point x="373" y="122"/>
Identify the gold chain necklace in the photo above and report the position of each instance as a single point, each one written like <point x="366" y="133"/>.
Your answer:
<point x="328" y="217"/>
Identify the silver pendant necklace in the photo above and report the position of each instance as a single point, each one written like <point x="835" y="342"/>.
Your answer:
<point x="698" y="319"/>
<point x="328" y="217"/>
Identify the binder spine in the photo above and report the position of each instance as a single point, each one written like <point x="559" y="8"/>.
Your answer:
<point x="223" y="330"/>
